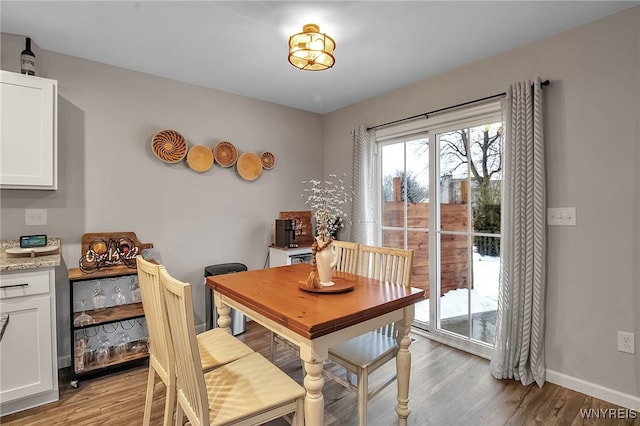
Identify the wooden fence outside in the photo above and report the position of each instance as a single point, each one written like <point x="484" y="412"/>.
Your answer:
<point x="454" y="268"/>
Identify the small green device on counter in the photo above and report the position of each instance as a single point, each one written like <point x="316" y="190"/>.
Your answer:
<point x="30" y="241"/>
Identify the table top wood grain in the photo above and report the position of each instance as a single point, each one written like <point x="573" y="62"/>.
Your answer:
<point x="274" y="293"/>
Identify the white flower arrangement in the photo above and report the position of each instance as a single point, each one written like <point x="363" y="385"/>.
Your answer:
<point x="327" y="200"/>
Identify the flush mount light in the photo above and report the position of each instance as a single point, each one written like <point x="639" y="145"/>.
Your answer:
<point x="311" y="50"/>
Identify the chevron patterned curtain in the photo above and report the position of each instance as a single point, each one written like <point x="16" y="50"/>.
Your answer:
<point x="519" y="345"/>
<point x="363" y="228"/>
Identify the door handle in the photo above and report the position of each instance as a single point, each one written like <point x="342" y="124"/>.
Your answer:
<point x="4" y="321"/>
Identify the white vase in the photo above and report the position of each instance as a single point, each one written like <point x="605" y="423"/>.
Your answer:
<point x="325" y="262"/>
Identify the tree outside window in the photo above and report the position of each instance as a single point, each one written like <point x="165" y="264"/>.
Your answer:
<point x="480" y="149"/>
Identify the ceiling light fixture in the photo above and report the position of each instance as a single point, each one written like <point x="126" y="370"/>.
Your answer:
<point x="311" y="50"/>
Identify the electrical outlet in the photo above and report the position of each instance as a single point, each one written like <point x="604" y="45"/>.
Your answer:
<point x="35" y="217"/>
<point x="626" y="342"/>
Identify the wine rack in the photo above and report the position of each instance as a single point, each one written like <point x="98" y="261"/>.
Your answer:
<point x="103" y="321"/>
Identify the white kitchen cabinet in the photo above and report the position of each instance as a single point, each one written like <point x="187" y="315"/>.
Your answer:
<point x="28" y="351"/>
<point x="28" y="135"/>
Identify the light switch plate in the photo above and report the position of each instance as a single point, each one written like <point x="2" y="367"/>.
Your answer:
<point x="561" y="216"/>
<point x="35" y="217"/>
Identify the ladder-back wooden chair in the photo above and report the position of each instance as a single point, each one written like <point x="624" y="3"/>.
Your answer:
<point x="366" y="353"/>
<point x="250" y="390"/>
<point x="347" y="254"/>
<point x="216" y="346"/>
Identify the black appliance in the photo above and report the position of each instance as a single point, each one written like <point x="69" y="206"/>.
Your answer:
<point x="286" y="233"/>
<point x="238" y="321"/>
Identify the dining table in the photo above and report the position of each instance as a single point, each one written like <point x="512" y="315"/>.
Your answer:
<point x="317" y="319"/>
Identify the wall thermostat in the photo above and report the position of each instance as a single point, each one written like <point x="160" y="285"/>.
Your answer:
<point x="30" y="241"/>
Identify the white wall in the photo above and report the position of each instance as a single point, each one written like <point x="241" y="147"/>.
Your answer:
<point x="593" y="161"/>
<point x="110" y="180"/>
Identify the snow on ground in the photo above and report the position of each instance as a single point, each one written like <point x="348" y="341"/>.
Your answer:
<point x="484" y="295"/>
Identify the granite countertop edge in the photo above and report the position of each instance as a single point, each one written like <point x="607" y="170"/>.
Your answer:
<point x="11" y="263"/>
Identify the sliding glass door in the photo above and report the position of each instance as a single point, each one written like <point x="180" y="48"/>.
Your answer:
<point x="467" y="211"/>
<point x="440" y="192"/>
<point x="405" y="205"/>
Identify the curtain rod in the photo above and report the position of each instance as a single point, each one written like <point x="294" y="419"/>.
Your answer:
<point x="426" y="114"/>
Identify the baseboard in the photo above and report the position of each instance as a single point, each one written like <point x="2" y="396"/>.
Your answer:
<point x="610" y="395"/>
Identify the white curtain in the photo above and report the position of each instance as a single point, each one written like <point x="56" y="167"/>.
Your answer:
<point x="519" y="346"/>
<point x="363" y="170"/>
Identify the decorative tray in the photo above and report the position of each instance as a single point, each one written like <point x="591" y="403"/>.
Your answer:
<point x="200" y="158"/>
<point x="249" y="166"/>
<point x="268" y="160"/>
<point x="225" y="154"/>
<point x="33" y="251"/>
<point x="169" y="146"/>
<point x="340" y="285"/>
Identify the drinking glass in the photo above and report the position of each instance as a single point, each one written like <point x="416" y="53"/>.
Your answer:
<point x="98" y="297"/>
<point x="122" y="344"/>
<point x="83" y="318"/>
<point x="134" y="288"/>
<point x="118" y="296"/>
<point x="89" y="356"/>
<point x="140" y="345"/>
<point x="103" y="352"/>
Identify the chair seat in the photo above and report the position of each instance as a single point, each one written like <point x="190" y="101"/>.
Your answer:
<point x="248" y="386"/>
<point x="364" y="350"/>
<point x="217" y="347"/>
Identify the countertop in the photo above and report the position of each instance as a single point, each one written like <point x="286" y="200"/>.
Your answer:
<point x="25" y="262"/>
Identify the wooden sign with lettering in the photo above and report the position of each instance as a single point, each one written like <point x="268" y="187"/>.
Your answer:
<point x="109" y="249"/>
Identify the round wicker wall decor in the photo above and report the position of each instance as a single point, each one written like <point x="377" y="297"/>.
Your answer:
<point x="169" y="146"/>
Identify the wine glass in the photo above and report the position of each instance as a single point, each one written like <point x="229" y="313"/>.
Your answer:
<point x="89" y="354"/>
<point x="118" y="296"/>
<point x="122" y="344"/>
<point x="83" y="318"/>
<point x="141" y="345"/>
<point x="134" y="288"/>
<point x="98" y="297"/>
<point x="103" y="352"/>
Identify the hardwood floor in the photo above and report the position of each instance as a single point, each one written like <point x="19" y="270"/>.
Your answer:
<point x="448" y="387"/>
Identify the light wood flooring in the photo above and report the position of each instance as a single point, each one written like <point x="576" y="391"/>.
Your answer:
<point x="448" y="387"/>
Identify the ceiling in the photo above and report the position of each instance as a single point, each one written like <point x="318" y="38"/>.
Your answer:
<point x="241" y="46"/>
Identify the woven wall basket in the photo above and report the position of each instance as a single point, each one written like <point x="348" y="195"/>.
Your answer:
<point x="169" y="146"/>
<point x="249" y="166"/>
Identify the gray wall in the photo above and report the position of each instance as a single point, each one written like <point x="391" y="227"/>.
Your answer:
<point x="593" y="160"/>
<point x="107" y="116"/>
<point x="109" y="179"/>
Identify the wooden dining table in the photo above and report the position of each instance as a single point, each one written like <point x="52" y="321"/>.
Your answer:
<point x="315" y="321"/>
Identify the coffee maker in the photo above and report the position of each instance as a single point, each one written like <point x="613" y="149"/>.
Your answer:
<point x="286" y="233"/>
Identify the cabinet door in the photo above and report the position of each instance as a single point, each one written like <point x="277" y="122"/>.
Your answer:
<point x="28" y="141"/>
<point x="25" y="349"/>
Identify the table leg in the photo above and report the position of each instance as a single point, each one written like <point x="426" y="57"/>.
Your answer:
<point x="403" y="365"/>
<point x="314" y="400"/>
<point x="224" y="318"/>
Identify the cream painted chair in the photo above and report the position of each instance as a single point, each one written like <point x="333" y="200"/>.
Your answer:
<point x="347" y="254"/>
<point x="364" y="354"/>
<point x="250" y="390"/>
<point x="216" y="346"/>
